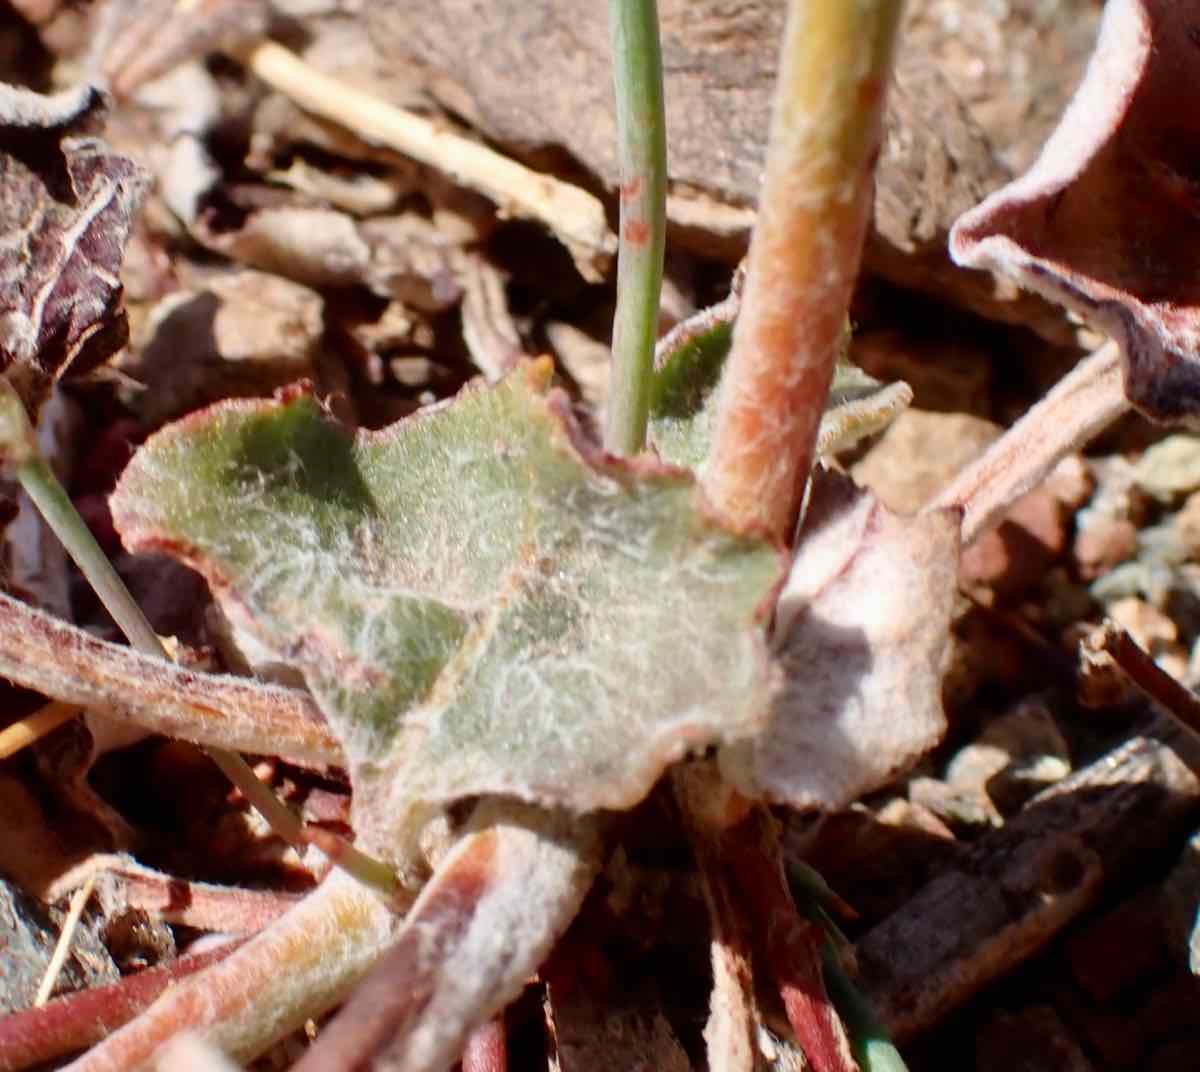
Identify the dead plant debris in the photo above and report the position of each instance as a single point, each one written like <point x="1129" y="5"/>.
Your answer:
<point x="644" y="786"/>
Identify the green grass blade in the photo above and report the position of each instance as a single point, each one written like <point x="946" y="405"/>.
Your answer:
<point x="642" y="138"/>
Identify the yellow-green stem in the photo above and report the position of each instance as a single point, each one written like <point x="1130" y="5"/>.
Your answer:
<point x="804" y="256"/>
<point x="642" y="143"/>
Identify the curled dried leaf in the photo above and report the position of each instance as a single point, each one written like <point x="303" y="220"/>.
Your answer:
<point x="862" y="635"/>
<point x="1107" y="220"/>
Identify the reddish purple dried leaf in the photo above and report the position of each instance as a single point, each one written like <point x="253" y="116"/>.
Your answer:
<point x="1107" y="220"/>
<point x="66" y="204"/>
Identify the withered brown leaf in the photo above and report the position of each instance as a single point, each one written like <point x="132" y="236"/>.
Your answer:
<point x="66" y="205"/>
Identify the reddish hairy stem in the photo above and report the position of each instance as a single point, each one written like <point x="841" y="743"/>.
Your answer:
<point x="1078" y="408"/>
<point x="487" y="1048"/>
<point x="482" y="924"/>
<point x="737" y="849"/>
<point x="804" y="258"/>
<point x="302" y="965"/>
<point x="793" y="949"/>
<point x="709" y="808"/>
<point x="79" y="1020"/>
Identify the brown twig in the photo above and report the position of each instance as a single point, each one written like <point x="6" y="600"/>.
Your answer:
<point x="35" y="726"/>
<point x="1179" y="701"/>
<point x="202" y="905"/>
<point x="55" y="658"/>
<point x="66" y="936"/>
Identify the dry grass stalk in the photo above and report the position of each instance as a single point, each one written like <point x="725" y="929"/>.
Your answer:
<point x="574" y="215"/>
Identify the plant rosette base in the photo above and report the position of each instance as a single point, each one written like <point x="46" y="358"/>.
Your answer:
<point x="481" y="601"/>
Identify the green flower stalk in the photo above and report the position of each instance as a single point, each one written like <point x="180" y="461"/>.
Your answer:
<point x="642" y="141"/>
<point x="804" y="256"/>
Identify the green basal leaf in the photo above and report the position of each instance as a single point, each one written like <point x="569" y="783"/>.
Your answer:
<point x="480" y="601"/>
<point x="683" y="394"/>
<point x="687" y="371"/>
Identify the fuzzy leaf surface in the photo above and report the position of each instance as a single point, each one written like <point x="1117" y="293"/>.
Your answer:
<point x="687" y="373"/>
<point x="480" y="601"/>
<point x="862" y="634"/>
